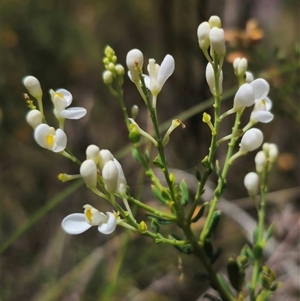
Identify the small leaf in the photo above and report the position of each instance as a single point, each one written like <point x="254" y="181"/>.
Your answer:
<point x="269" y="232"/>
<point x="235" y="274"/>
<point x="158" y="194"/>
<point x="198" y="174"/>
<point x="200" y="213"/>
<point x="208" y="248"/>
<point x="154" y="225"/>
<point x="159" y="219"/>
<point x="215" y="220"/>
<point x="136" y="155"/>
<point x="166" y="194"/>
<point x="216" y="255"/>
<point x="186" y="249"/>
<point x="157" y="162"/>
<point x="257" y="251"/>
<point x="224" y="284"/>
<point x="255" y="235"/>
<point x="184" y="192"/>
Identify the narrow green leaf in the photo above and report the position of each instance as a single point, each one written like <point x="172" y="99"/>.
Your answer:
<point x="200" y="213"/>
<point x="159" y="219"/>
<point x="215" y="220"/>
<point x="158" y="194"/>
<point x="269" y="232"/>
<point x="233" y="271"/>
<point x="154" y="225"/>
<point x="136" y="155"/>
<point x="216" y="255"/>
<point x="184" y="192"/>
<point x="157" y="162"/>
<point x="198" y="174"/>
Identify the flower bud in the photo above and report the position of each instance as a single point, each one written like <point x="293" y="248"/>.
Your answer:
<point x="251" y="140"/>
<point x="217" y="40"/>
<point x="244" y="97"/>
<point x="88" y="171"/>
<point x="34" y="118"/>
<point x="215" y="21"/>
<point x="240" y="66"/>
<point x="260" y="161"/>
<point x="107" y="77"/>
<point x="33" y="86"/>
<point x="110" y="176"/>
<point x="249" y="77"/>
<point x="134" y="59"/>
<point x="203" y="35"/>
<point x="134" y="111"/>
<point x="273" y="152"/>
<point x="210" y="78"/>
<point x="119" y="69"/>
<point x="105" y="156"/>
<point x="93" y="152"/>
<point x="251" y="182"/>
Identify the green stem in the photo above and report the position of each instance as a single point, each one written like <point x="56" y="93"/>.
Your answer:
<point x="152" y="210"/>
<point x="222" y="180"/>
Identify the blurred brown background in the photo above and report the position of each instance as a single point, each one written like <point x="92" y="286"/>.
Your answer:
<point x="61" y="43"/>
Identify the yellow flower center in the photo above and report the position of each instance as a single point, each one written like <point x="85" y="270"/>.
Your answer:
<point x="50" y="139"/>
<point x="88" y="214"/>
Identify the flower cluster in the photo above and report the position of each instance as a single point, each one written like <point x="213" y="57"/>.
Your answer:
<point x="158" y="74"/>
<point x="103" y="174"/>
<point x="99" y="169"/>
<point x="47" y="136"/>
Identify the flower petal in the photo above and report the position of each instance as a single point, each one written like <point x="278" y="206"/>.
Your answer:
<point x="166" y="69"/>
<point x="147" y="81"/>
<point x="60" y="142"/>
<point x="74" y="113"/>
<point x="66" y="94"/>
<point x="40" y="134"/>
<point x="244" y="97"/>
<point x="262" y="116"/>
<point x="75" y="223"/>
<point x="261" y="88"/>
<point x="110" y="225"/>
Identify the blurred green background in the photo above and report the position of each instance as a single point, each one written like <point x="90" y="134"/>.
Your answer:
<point x="61" y="43"/>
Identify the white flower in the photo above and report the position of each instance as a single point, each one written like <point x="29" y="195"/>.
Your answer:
<point x="48" y="137"/>
<point x="78" y="223"/>
<point x="61" y="99"/>
<point x="88" y="171"/>
<point x="248" y="94"/>
<point x="32" y="84"/>
<point x="134" y="59"/>
<point x="203" y="35"/>
<point x="251" y="182"/>
<point x="261" y="111"/>
<point x="34" y="118"/>
<point x="210" y="78"/>
<point x="217" y="41"/>
<point x="159" y="74"/>
<point x="251" y="140"/>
